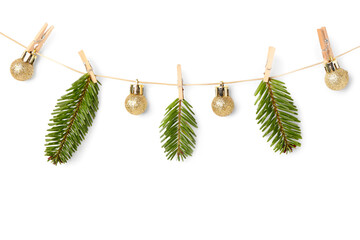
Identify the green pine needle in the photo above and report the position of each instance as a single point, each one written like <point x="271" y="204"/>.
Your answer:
<point x="277" y="113"/>
<point x="72" y="117"/>
<point x="177" y="132"/>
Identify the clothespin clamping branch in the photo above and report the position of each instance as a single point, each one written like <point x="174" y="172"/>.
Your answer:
<point x="269" y="62"/>
<point x="180" y="82"/>
<point x="88" y="67"/>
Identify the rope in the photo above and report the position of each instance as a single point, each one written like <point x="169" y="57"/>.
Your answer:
<point x="173" y="84"/>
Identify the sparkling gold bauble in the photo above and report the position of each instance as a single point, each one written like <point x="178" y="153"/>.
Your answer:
<point x="337" y="79"/>
<point x="135" y="104"/>
<point x="222" y="106"/>
<point x="21" y="70"/>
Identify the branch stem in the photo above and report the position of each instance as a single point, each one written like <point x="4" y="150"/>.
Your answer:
<point x="273" y="102"/>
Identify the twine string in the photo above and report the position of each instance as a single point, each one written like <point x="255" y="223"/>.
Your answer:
<point x="173" y="84"/>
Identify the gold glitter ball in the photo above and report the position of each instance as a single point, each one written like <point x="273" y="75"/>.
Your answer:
<point x="222" y="106"/>
<point x="337" y="80"/>
<point x="21" y="70"/>
<point x="135" y="104"/>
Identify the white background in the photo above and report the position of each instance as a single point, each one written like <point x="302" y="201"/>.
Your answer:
<point x="119" y="184"/>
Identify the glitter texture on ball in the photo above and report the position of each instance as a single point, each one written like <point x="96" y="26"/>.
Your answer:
<point x="135" y="104"/>
<point x="337" y="80"/>
<point x="222" y="106"/>
<point x="21" y="70"/>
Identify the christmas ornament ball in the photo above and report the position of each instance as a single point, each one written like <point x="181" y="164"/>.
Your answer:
<point x="222" y="106"/>
<point x="135" y="104"/>
<point x="21" y="70"/>
<point x="337" y="80"/>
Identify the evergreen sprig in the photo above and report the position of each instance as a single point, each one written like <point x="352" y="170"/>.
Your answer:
<point x="276" y="113"/>
<point x="72" y="117"/>
<point x="177" y="130"/>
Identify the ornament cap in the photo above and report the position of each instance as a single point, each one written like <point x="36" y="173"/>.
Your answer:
<point x="331" y="66"/>
<point x="137" y="89"/>
<point x="222" y="90"/>
<point x="29" y="57"/>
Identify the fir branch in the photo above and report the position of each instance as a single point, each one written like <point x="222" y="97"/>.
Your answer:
<point x="72" y="117"/>
<point x="177" y="130"/>
<point x="276" y="113"/>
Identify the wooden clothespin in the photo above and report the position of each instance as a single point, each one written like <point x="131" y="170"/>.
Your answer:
<point x="180" y="82"/>
<point x="40" y="39"/>
<point x="269" y="62"/>
<point x="88" y="66"/>
<point x="327" y="52"/>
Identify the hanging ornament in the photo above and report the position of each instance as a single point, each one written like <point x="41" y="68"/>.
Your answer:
<point x="22" y="68"/>
<point x="336" y="78"/>
<point x="136" y="102"/>
<point x="222" y="104"/>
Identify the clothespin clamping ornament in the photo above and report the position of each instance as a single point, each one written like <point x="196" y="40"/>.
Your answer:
<point x="269" y="63"/>
<point x="336" y="78"/>
<point x="22" y="69"/>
